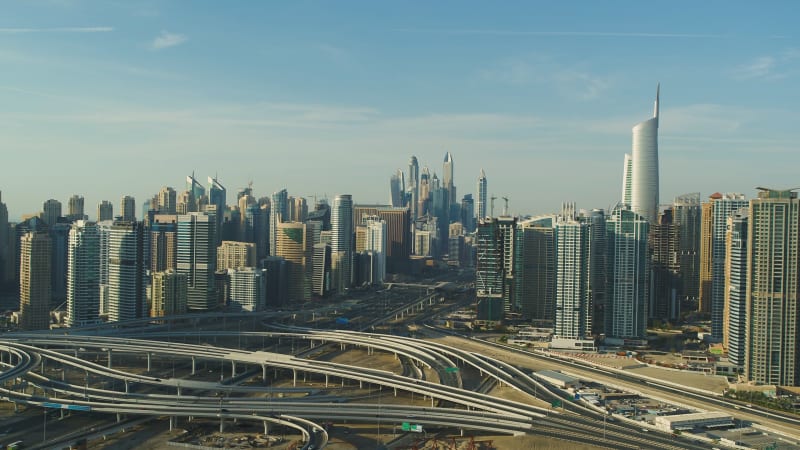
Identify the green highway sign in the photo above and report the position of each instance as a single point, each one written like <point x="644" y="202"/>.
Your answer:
<point x="451" y="369"/>
<point x="556" y="404"/>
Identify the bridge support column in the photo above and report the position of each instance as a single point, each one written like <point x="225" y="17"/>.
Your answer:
<point x="43" y="360"/>
<point x="221" y="425"/>
<point x="16" y="408"/>
<point x="266" y="428"/>
<point x="326" y="380"/>
<point x="194" y="365"/>
<point x="149" y="362"/>
<point x="109" y="358"/>
<point x="294" y="377"/>
<point x="360" y="384"/>
<point x="233" y="368"/>
<point x="179" y="391"/>
<point x="119" y="417"/>
<point x="264" y="373"/>
<point x="395" y="392"/>
<point x="462" y="431"/>
<point x="432" y="405"/>
<point x="171" y="422"/>
<point x="64" y="373"/>
<point x="62" y="414"/>
<point x="127" y="387"/>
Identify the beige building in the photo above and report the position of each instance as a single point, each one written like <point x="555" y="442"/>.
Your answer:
<point x="235" y="255"/>
<point x="294" y="244"/>
<point x="706" y="257"/>
<point x="168" y="294"/>
<point x="163" y="242"/>
<point x="34" y="283"/>
<point x="773" y="256"/>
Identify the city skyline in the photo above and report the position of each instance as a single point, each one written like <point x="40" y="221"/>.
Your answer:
<point x="145" y="93"/>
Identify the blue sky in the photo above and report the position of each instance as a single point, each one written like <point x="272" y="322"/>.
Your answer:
<point x="108" y="98"/>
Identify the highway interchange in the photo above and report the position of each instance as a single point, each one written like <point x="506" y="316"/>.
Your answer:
<point x="31" y="364"/>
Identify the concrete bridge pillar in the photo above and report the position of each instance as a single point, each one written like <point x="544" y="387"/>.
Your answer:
<point x="233" y="368"/>
<point x="194" y="365"/>
<point x="127" y="387"/>
<point x="109" y="358"/>
<point x="149" y="362"/>
<point x="43" y="365"/>
<point x="395" y="392"/>
<point x="221" y="425"/>
<point x="294" y="377"/>
<point x="264" y="373"/>
<point x="326" y="380"/>
<point x="266" y="428"/>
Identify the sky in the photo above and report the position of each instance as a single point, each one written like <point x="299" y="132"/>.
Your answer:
<point x="112" y="98"/>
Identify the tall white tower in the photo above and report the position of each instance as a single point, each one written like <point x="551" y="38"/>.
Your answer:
<point x="481" y="196"/>
<point x="644" y="179"/>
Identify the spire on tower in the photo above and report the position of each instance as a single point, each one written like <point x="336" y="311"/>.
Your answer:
<point x="658" y="92"/>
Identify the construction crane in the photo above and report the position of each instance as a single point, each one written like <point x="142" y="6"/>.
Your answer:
<point x="505" y="208"/>
<point x="491" y="203"/>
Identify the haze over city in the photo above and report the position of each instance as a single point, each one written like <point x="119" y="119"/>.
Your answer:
<point x="111" y="99"/>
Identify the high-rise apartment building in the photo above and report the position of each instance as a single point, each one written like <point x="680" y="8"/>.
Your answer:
<point x="573" y="308"/>
<point x="163" y="243"/>
<point x="279" y="212"/>
<point x="105" y="211"/>
<point x="59" y="239"/>
<point x="168" y="293"/>
<point x="723" y="207"/>
<point x="773" y="247"/>
<point x="248" y="290"/>
<point x="481" y="206"/>
<point x="664" y="242"/>
<point x="447" y="178"/>
<point x="128" y="209"/>
<point x="51" y="211"/>
<point x="75" y="208"/>
<point x="342" y="240"/>
<point x="628" y="275"/>
<point x="376" y="242"/>
<point x="398" y="232"/>
<point x="468" y="213"/>
<point x="197" y="254"/>
<point x="489" y="269"/>
<point x="706" y="279"/>
<point x="234" y="255"/>
<point x="295" y="246"/>
<point x="83" y="274"/>
<point x="644" y="165"/>
<point x="735" y="312"/>
<point x="126" y="272"/>
<point x="167" y="201"/>
<point x="687" y="215"/>
<point x="321" y="271"/>
<point x="34" y="282"/>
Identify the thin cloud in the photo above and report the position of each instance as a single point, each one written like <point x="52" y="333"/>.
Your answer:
<point x="587" y="34"/>
<point x="57" y="30"/>
<point x="768" y="67"/>
<point x="167" y="39"/>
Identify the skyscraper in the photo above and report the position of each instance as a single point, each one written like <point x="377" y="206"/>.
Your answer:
<point x="376" y="242"/>
<point x="424" y="191"/>
<point x="628" y="275"/>
<point x="664" y="242"/>
<point x="773" y="246"/>
<point x="217" y="195"/>
<point x="126" y="272"/>
<point x="168" y="293"/>
<point x="75" y="208"/>
<point x="51" y="211"/>
<point x="197" y="190"/>
<point x="321" y="271"/>
<point x="233" y="255"/>
<point x="705" y="288"/>
<point x="573" y="312"/>
<point x="7" y="264"/>
<point x="535" y="271"/>
<point x="34" y="282"/>
<point x="489" y="270"/>
<point x="105" y="211"/>
<point x="342" y="240"/>
<point x="413" y="181"/>
<point x="163" y="243"/>
<point x="687" y="216"/>
<point x="398" y="225"/>
<point x="735" y="313"/>
<point x="279" y="212"/>
<point x="481" y="195"/>
<point x="627" y="179"/>
<point x="167" y="201"/>
<point x="447" y="178"/>
<point x="128" y="209"/>
<point x="644" y="164"/>
<point x="197" y="257"/>
<point x="723" y="207"/>
<point x="83" y="275"/>
<point x="247" y="289"/>
<point x="397" y="189"/>
<point x="468" y="213"/>
<point x="295" y="246"/>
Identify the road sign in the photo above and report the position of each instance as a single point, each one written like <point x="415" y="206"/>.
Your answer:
<point x="52" y="405"/>
<point x="451" y="369"/>
<point x="69" y="407"/>
<point x="406" y="426"/>
<point x="79" y="407"/>
<point x="556" y="403"/>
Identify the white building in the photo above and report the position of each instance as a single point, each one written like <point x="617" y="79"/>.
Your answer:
<point x="688" y="422"/>
<point x="644" y="165"/>
<point x="83" y="274"/>
<point x="247" y="288"/>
